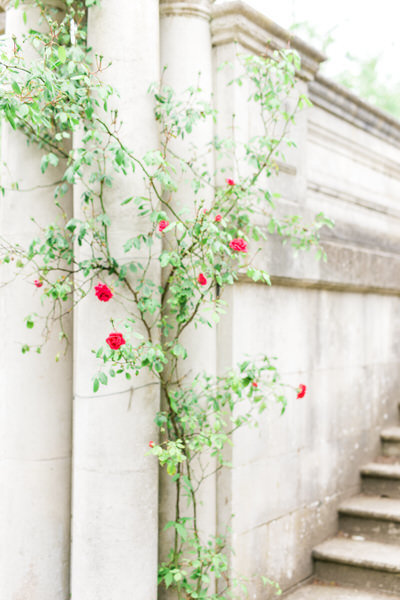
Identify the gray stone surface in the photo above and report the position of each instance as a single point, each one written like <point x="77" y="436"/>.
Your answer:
<point x="391" y="441"/>
<point x="391" y="434"/>
<point x="372" y="555"/>
<point x="359" y="563"/>
<point x="374" y="518"/>
<point x="332" y="592"/>
<point x="382" y="479"/>
<point x="372" y="506"/>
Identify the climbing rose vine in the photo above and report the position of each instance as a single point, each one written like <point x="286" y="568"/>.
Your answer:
<point x="60" y="95"/>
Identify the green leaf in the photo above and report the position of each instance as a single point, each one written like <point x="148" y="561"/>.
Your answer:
<point x="16" y="88"/>
<point x="96" y="385"/>
<point x="44" y="163"/>
<point x="181" y="531"/>
<point x="62" y="54"/>
<point x="53" y="159"/>
<point x="103" y="378"/>
<point x="179" y="351"/>
<point x="168" y="579"/>
<point x="120" y="157"/>
<point x="171" y="468"/>
<point x="10" y="117"/>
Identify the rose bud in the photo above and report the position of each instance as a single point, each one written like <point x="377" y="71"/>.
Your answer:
<point x="163" y="225"/>
<point x="201" y="279"/>
<point x="301" y="391"/>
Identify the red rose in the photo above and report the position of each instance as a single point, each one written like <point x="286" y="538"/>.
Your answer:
<point x="38" y="283"/>
<point x="218" y="218"/>
<point x="255" y="384"/>
<point x="238" y="244"/>
<point x="301" y="390"/>
<point x="230" y="182"/>
<point x="151" y="444"/>
<point x="205" y="211"/>
<point x="103" y="292"/>
<point x="115" y="340"/>
<point x="162" y="225"/>
<point x="201" y="279"/>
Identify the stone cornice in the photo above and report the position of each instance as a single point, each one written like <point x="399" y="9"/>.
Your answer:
<point x="343" y="103"/>
<point x="237" y="22"/>
<point x="349" y="268"/>
<point x="184" y="8"/>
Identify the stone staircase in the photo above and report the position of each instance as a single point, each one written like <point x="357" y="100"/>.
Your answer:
<point x="363" y="561"/>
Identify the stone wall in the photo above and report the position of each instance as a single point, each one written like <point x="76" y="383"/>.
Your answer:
<point x="335" y="326"/>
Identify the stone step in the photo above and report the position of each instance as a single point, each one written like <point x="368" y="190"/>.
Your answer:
<point x="363" y="564"/>
<point x="330" y="592"/>
<point x="381" y="479"/>
<point x="391" y="441"/>
<point x="371" y="517"/>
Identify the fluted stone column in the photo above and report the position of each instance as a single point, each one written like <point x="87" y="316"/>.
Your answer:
<point x="115" y="485"/>
<point x="186" y="52"/>
<point x="35" y="390"/>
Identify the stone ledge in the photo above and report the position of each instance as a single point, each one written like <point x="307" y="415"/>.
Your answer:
<point x="349" y="268"/>
<point x="346" y="105"/>
<point x="238" y="22"/>
<point x="345" y="196"/>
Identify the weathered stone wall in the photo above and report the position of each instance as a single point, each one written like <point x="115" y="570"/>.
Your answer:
<point x="334" y="326"/>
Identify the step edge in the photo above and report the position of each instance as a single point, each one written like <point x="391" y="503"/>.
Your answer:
<point x="371" y="470"/>
<point x="390" y="435"/>
<point x="362" y="564"/>
<point x="368" y="514"/>
<point x="326" y="556"/>
<point x="371" y="594"/>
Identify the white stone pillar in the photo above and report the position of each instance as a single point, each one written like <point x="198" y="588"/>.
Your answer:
<point x="115" y="485"/>
<point x="35" y="390"/>
<point x="186" y="52"/>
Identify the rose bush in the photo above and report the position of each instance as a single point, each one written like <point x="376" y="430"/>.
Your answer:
<point x="199" y="257"/>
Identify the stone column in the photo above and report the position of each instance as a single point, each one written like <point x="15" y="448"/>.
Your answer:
<point x="186" y="52"/>
<point x="36" y="391"/>
<point x="115" y="485"/>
